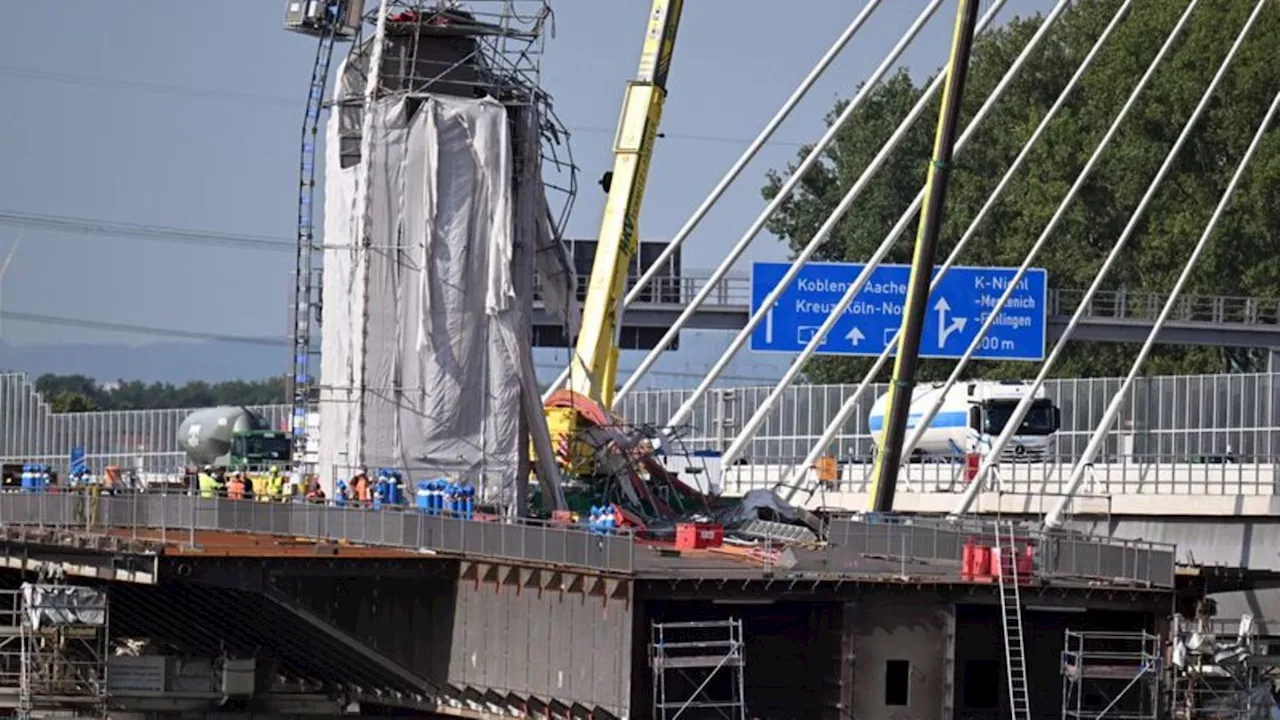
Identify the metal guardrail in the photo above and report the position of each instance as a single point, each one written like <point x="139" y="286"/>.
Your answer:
<point x="1059" y="555"/>
<point x="734" y="291"/>
<point x="1155" y="475"/>
<point x="409" y="530"/>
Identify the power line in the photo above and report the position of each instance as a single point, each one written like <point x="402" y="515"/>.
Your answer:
<point x="260" y="341"/>
<point x="85" y="226"/>
<point x="291" y="103"/>
<point x="84" y="324"/>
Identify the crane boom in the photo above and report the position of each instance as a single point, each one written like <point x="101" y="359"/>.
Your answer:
<point x="594" y="367"/>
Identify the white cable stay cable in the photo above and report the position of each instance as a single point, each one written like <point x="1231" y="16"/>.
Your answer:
<point x="1012" y="287"/>
<point x="682" y="413"/>
<point x="790" y="480"/>
<point x="784" y="192"/>
<point x="732" y="174"/>
<point x="1057" y="514"/>
<point x="837" y="313"/>
<point x="1024" y="405"/>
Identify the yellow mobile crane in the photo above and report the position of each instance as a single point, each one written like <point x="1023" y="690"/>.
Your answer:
<point x="594" y="365"/>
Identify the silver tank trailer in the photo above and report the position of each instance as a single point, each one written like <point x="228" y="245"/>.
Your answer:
<point x="205" y="434"/>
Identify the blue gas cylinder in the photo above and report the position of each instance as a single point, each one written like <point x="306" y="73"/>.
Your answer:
<point x="422" y="496"/>
<point x="608" y="520"/>
<point x="468" y="501"/>
<point x="450" y="496"/>
<point x="593" y="520"/>
<point x="27" y="478"/>
<point x="46" y="473"/>
<point x="393" y="490"/>
<point x="437" y="496"/>
<point x="340" y="493"/>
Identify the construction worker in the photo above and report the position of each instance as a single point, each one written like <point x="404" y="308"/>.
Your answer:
<point x="207" y="484"/>
<point x="315" y="493"/>
<point x="260" y="487"/>
<point x="235" y="488"/>
<point x="275" y="484"/>
<point x="360" y="491"/>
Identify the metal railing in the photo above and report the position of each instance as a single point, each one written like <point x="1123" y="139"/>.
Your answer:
<point x="1178" y="418"/>
<point x="1130" y="475"/>
<point x="734" y="292"/>
<point x="407" y="529"/>
<point x="180" y="517"/>
<point x="1059" y="555"/>
<point x="1148" y="474"/>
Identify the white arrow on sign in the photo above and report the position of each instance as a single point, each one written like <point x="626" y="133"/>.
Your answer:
<point x="768" y="327"/>
<point x="855" y="336"/>
<point x="945" y="330"/>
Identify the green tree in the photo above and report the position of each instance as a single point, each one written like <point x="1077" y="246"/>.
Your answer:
<point x="72" y="402"/>
<point x="78" y="393"/>
<point x="1243" y="258"/>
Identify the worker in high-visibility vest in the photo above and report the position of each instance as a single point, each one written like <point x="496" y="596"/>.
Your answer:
<point x="275" y="484"/>
<point x="259" y="487"/>
<point x="208" y="485"/>
<point x="235" y="488"/>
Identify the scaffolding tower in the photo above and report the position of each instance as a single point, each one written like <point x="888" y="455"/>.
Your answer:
<point x="62" y="663"/>
<point x="478" y="48"/>
<point x="698" y="670"/>
<point x="1112" y="675"/>
<point x="1222" y="669"/>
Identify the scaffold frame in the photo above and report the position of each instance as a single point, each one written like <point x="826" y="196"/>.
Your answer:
<point x="64" y="648"/>
<point x="1112" y="675"/>
<point x="686" y="658"/>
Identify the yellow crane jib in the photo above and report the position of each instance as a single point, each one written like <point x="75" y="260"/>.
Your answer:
<point x="594" y="366"/>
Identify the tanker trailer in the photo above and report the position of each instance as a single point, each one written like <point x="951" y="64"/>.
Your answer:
<point x="972" y="416"/>
<point x="233" y="437"/>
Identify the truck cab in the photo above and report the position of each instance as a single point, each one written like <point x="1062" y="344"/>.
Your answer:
<point x="972" y="415"/>
<point x="991" y="405"/>
<point x="258" y="450"/>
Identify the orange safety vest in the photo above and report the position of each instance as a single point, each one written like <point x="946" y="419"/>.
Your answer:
<point x="235" y="489"/>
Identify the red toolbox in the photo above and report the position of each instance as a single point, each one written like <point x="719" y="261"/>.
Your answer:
<point x="693" y="536"/>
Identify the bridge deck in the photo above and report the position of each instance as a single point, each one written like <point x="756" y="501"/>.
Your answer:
<point x="151" y="525"/>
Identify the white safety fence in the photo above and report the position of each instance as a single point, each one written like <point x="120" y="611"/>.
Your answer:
<point x="1202" y="431"/>
<point x="1137" y="476"/>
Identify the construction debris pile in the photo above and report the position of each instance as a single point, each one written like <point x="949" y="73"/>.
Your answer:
<point x="1219" y="673"/>
<point x="633" y="484"/>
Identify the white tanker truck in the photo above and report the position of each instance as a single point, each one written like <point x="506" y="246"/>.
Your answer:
<point x="972" y="416"/>
<point x="233" y="437"/>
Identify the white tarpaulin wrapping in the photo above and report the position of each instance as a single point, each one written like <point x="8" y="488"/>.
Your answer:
<point x="49" y="605"/>
<point x="425" y="330"/>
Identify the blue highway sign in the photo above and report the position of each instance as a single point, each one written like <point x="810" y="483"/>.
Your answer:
<point x="955" y="312"/>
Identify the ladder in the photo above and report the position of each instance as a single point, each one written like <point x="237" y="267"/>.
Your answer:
<point x="1015" y="657"/>
<point x="306" y="296"/>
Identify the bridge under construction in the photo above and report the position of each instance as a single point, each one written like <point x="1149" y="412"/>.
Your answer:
<point x="672" y="600"/>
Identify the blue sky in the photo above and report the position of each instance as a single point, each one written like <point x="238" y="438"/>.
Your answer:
<point x="195" y="125"/>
